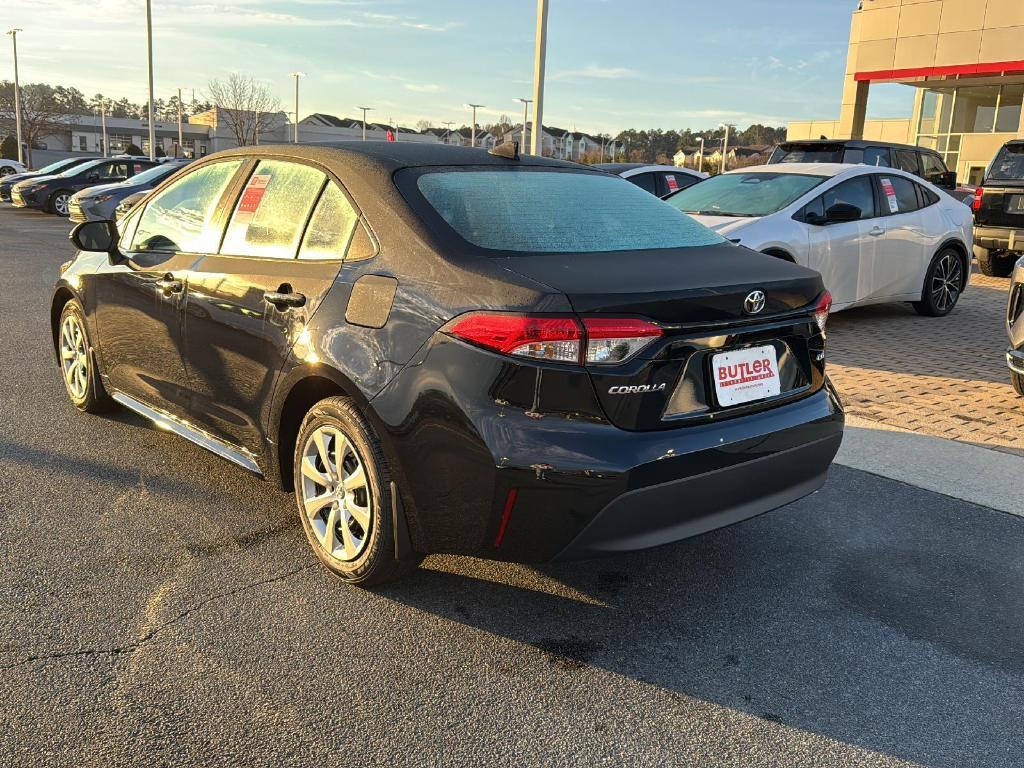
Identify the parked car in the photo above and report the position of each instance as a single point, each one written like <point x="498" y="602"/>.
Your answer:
<point x="7" y="183"/>
<point x="999" y="212"/>
<point x="53" y="193"/>
<point x="874" y="235"/>
<point x="660" y="180"/>
<point x="920" y="161"/>
<point x="1015" y="328"/>
<point x="383" y="330"/>
<point x="10" y="167"/>
<point x="127" y="204"/>
<point x="100" y="202"/>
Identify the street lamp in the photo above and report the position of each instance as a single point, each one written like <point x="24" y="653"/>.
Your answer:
<point x="526" y="115"/>
<point x="472" y="130"/>
<point x="149" y="55"/>
<point x="181" y="145"/>
<point x="700" y="156"/>
<point x="103" y="123"/>
<point x="296" y="75"/>
<point x="537" y="143"/>
<point x="365" y="110"/>
<point x="725" y="143"/>
<point x="13" y="32"/>
<point x="448" y="133"/>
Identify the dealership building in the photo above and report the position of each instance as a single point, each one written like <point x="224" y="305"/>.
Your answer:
<point x="965" y="58"/>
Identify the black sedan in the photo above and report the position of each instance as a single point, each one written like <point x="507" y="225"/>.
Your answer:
<point x="7" y="182"/>
<point x="443" y="349"/>
<point x="53" y="193"/>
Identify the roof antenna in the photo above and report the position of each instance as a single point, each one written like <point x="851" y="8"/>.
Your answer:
<point x="510" y="150"/>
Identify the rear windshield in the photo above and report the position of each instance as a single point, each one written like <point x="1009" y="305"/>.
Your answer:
<point x="744" y="194"/>
<point x="812" y="153"/>
<point x="1009" y="163"/>
<point x="557" y="212"/>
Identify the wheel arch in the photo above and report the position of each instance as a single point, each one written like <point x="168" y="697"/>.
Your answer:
<point x="779" y="253"/>
<point x="957" y="245"/>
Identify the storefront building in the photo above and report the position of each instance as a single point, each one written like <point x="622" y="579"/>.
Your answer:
<point x="964" y="57"/>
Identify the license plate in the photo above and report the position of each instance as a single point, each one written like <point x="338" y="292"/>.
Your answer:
<point x="744" y="375"/>
<point x="1016" y="204"/>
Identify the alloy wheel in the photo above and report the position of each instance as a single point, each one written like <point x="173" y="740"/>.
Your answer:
<point x="947" y="281"/>
<point x="335" y="493"/>
<point x="74" y="357"/>
<point x="6" y="171"/>
<point x="62" y="204"/>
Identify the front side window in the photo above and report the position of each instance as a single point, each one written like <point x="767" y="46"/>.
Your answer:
<point x="899" y="195"/>
<point x="744" y="194"/>
<point x="932" y="168"/>
<point x="857" y="192"/>
<point x="180" y="218"/>
<point x="877" y="156"/>
<point x="521" y="211"/>
<point x="273" y="209"/>
<point x="331" y="227"/>
<point x="906" y="160"/>
<point x="112" y="172"/>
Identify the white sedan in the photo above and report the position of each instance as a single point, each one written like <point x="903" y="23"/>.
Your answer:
<point x="875" y="234"/>
<point x="8" y="167"/>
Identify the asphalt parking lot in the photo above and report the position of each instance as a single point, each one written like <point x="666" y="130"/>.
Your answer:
<point x="159" y="606"/>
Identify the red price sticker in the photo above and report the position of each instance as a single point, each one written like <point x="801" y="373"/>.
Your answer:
<point x="252" y="197"/>
<point x="673" y="185"/>
<point x="890" y="195"/>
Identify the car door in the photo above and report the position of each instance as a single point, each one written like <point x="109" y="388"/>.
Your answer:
<point x="248" y="304"/>
<point x="139" y="299"/>
<point x="898" y="259"/>
<point x="843" y="251"/>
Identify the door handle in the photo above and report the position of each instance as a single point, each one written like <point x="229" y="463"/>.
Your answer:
<point x="876" y="230"/>
<point x="284" y="300"/>
<point x="170" y="284"/>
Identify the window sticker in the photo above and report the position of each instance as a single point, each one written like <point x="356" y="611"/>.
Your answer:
<point x="890" y="195"/>
<point x="138" y="168"/>
<point x="673" y="185"/>
<point x="252" y="197"/>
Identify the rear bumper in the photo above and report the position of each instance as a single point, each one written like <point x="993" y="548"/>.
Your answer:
<point x="999" y="238"/>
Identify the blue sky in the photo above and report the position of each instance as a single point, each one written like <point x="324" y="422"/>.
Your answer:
<point x="611" y="64"/>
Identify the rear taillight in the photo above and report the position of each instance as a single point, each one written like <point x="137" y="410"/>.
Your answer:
<point x="821" y="310"/>
<point x="556" y="339"/>
<point x="978" y="194"/>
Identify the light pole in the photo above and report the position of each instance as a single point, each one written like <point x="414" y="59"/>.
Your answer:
<point x="13" y="32"/>
<point x="700" y="156"/>
<point x="296" y="75"/>
<point x="725" y="143"/>
<point x="537" y="144"/>
<point x="448" y="135"/>
<point x="472" y="130"/>
<point x="365" y="110"/>
<point x="181" y="145"/>
<point x="526" y="116"/>
<point x="149" y="55"/>
<point x="103" y="123"/>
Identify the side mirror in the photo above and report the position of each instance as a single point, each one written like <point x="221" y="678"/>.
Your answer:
<point x="842" y="212"/>
<point x="95" y="237"/>
<point x="947" y="180"/>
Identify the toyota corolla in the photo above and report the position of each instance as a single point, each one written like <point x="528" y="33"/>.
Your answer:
<point x="441" y="349"/>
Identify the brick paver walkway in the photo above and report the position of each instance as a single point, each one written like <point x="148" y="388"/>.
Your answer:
<point x="941" y="376"/>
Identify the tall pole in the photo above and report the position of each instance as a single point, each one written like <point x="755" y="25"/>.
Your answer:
<point x="181" y="144"/>
<point x="296" y="75"/>
<point x="725" y="145"/>
<point x="13" y="32"/>
<point x="365" y="110"/>
<point x="700" y="156"/>
<point x="149" y="55"/>
<point x="472" y="130"/>
<point x="448" y="134"/>
<point x="103" y="122"/>
<point x="526" y="116"/>
<point x="537" y="144"/>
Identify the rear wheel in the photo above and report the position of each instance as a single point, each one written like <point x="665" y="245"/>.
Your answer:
<point x="6" y="170"/>
<point x="60" y="202"/>
<point x="994" y="263"/>
<point x="78" y="364"/>
<point x="343" y="492"/>
<point x="943" y="284"/>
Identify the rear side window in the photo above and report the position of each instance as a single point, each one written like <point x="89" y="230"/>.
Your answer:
<point x="1009" y="163"/>
<point x="330" y="230"/>
<point x="899" y="195"/>
<point x="524" y="211"/>
<point x="272" y="210"/>
<point x="645" y="181"/>
<point x="673" y="182"/>
<point x="180" y="218"/>
<point x="877" y="156"/>
<point x="857" y="191"/>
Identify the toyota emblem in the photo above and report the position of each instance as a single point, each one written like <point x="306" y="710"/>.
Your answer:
<point x="754" y="302"/>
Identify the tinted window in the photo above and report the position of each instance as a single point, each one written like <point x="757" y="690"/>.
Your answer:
<point x="112" y="172"/>
<point x="645" y="181"/>
<point x="179" y="217"/>
<point x="877" y="156"/>
<point x="927" y="196"/>
<point x="330" y="230"/>
<point x="1009" y="163"/>
<point x="857" y="192"/>
<point x="523" y="211"/>
<point x="272" y="210"/>
<point x="672" y="182"/>
<point x="899" y="195"/>
<point x="932" y="169"/>
<point x="744" y="194"/>
<point x="807" y="153"/>
<point x="906" y="160"/>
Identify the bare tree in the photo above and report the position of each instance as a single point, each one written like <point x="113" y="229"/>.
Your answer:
<point x="43" y="113"/>
<point x="423" y="125"/>
<point x="247" y="107"/>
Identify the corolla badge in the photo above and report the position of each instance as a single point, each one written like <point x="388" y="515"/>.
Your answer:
<point x="636" y="389"/>
<point x="754" y="302"/>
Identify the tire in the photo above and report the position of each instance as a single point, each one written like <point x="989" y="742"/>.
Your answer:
<point x="1018" y="382"/>
<point x="77" y="362"/>
<point x="366" y="555"/>
<point x="994" y="263"/>
<point x="6" y="170"/>
<point x="943" y="283"/>
<point x="59" y="202"/>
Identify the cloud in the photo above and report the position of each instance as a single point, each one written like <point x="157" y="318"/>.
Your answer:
<point x="593" y="71"/>
<point x="423" y="87"/>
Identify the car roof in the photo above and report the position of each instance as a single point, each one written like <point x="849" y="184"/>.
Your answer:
<point x="852" y="143"/>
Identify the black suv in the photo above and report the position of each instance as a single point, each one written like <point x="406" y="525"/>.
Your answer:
<point x="429" y="365"/>
<point x="53" y="193"/>
<point x="999" y="212"/>
<point x="924" y="163"/>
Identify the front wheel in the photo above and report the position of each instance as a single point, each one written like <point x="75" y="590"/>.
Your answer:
<point x="343" y="491"/>
<point x="943" y="283"/>
<point x="77" y="362"/>
<point x="994" y="263"/>
<point x="6" y="170"/>
<point x="60" y="203"/>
